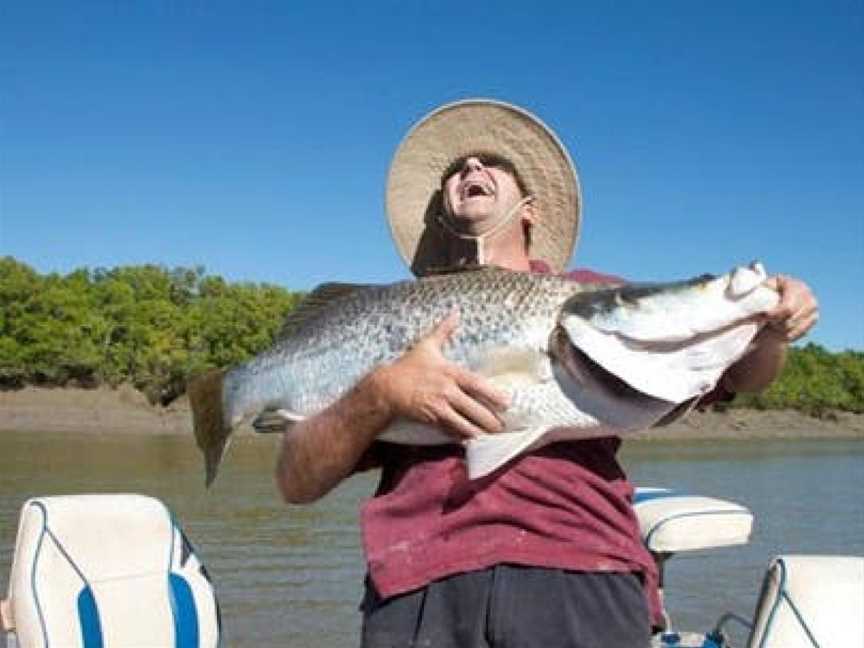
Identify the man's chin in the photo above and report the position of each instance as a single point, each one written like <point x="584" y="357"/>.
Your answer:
<point x="474" y="216"/>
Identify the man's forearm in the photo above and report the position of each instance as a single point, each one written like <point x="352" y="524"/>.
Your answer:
<point x="758" y="369"/>
<point x="321" y="451"/>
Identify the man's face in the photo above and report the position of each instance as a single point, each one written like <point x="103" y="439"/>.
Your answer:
<point x="480" y="189"/>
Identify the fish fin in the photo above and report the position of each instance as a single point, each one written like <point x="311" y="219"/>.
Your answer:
<point x="314" y="302"/>
<point x="209" y="420"/>
<point x="406" y="431"/>
<point x="679" y="412"/>
<point x="513" y="368"/>
<point x="274" y="420"/>
<point x="488" y="452"/>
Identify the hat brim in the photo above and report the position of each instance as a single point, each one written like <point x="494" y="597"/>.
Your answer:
<point x="482" y="126"/>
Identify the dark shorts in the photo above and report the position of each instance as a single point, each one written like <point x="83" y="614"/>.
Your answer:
<point x="509" y="606"/>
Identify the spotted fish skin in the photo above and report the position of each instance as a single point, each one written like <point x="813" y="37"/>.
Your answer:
<point x="532" y="335"/>
<point x="320" y="357"/>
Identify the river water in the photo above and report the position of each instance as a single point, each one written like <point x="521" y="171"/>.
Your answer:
<point x="292" y="577"/>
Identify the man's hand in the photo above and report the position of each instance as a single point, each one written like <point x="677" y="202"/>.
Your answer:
<point x="423" y="385"/>
<point x="795" y="314"/>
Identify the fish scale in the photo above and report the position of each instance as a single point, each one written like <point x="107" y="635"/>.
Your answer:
<point x="559" y="348"/>
<point x="338" y="345"/>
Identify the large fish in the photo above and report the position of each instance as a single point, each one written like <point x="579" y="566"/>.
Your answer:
<point x="578" y="360"/>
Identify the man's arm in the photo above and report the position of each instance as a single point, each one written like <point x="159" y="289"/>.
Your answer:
<point x="795" y="314"/>
<point x="423" y="385"/>
<point x="319" y="452"/>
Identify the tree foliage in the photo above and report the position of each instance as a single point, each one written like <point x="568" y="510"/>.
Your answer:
<point x="146" y="325"/>
<point x="154" y="327"/>
<point x="816" y="382"/>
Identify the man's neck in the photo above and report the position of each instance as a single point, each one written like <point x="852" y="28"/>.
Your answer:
<point x="511" y="259"/>
<point x="507" y="250"/>
<point x="504" y="249"/>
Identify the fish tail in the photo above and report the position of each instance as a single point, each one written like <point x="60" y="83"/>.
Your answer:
<point x="209" y="420"/>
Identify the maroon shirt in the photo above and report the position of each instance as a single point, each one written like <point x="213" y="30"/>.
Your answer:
<point x="567" y="505"/>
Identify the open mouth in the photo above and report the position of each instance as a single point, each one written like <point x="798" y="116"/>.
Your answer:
<point x="476" y="189"/>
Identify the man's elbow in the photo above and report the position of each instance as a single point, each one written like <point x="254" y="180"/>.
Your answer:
<point x="292" y="494"/>
<point x="294" y="490"/>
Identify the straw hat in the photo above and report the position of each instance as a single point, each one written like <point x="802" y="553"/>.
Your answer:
<point x="481" y="126"/>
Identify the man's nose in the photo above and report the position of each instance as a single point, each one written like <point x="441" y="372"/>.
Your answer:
<point x="472" y="164"/>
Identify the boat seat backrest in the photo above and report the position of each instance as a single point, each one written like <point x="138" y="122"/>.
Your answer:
<point x="671" y="522"/>
<point x="810" y="602"/>
<point x="102" y="571"/>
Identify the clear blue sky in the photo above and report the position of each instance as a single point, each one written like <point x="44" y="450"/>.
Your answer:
<point x="254" y="137"/>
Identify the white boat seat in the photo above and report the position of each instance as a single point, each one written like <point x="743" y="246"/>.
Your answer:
<point x="671" y="522"/>
<point x="810" y="602"/>
<point x="106" y="571"/>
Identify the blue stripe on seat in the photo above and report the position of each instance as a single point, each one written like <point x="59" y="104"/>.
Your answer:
<point x="648" y="494"/>
<point x="185" y="615"/>
<point x="88" y="615"/>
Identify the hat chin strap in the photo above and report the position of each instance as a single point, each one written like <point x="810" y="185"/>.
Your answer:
<point x="446" y="222"/>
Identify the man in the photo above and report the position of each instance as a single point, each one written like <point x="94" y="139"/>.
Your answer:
<point x="546" y="551"/>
